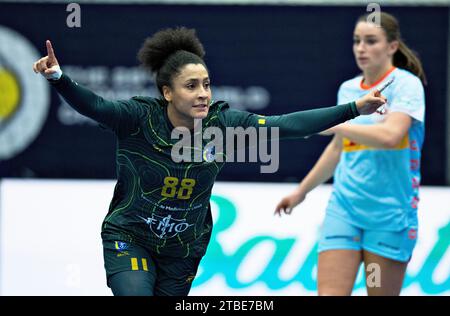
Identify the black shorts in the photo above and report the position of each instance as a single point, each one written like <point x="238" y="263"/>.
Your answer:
<point x="165" y="275"/>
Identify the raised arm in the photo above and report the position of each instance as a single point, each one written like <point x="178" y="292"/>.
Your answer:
<point x="120" y="116"/>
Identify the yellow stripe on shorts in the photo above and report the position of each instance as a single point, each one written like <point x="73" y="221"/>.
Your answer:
<point x="134" y="264"/>
<point x="144" y="264"/>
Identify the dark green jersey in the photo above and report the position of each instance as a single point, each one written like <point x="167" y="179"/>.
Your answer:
<point x="160" y="203"/>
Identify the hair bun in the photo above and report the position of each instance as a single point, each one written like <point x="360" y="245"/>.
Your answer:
<point x="157" y="48"/>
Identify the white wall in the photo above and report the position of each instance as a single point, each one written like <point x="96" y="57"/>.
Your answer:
<point x="50" y="241"/>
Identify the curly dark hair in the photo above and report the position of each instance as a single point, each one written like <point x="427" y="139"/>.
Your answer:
<point x="168" y="50"/>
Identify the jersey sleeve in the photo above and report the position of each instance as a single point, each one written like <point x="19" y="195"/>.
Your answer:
<point x="122" y="116"/>
<point x="409" y="98"/>
<point x="293" y="125"/>
<point x="343" y="96"/>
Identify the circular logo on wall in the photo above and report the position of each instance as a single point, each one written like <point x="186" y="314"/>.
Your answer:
<point x="24" y="96"/>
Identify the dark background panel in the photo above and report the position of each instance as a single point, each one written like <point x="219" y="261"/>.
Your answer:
<point x="300" y="54"/>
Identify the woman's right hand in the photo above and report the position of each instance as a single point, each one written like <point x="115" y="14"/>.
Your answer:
<point x="48" y="66"/>
<point x="369" y="103"/>
<point x="288" y="203"/>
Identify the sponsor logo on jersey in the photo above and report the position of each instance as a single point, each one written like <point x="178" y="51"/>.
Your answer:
<point x="166" y="227"/>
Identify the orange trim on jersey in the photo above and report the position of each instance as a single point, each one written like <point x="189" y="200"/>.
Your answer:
<point x="366" y="87"/>
<point x="349" y="146"/>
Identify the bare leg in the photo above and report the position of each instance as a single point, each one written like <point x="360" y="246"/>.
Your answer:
<point x="337" y="270"/>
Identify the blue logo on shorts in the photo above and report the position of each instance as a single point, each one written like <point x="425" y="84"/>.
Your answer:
<point x="121" y="246"/>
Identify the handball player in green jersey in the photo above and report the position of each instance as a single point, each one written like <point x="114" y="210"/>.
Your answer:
<point x="159" y="221"/>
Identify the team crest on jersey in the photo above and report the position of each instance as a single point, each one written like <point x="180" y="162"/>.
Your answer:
<point x="166" y="227"/>
<point x="121" y="246"/>
<point x="209" y="154"/>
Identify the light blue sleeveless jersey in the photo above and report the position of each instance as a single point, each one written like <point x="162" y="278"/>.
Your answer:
<point x="379" y="188"/>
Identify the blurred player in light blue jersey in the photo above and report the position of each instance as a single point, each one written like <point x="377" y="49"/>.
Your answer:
<point x="372" y="213"/>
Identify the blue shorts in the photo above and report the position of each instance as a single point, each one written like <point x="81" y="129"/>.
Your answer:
<point x="338" y="234"/>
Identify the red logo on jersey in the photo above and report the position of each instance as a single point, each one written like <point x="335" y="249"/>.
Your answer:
<point x="413" y="145"/>
<point x="412" y="234"/>
<point x="415" y="183"/>
<point x="414" y="202"/>
<point x="414" y="164"/>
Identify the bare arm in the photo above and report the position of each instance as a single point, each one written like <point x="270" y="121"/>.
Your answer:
<point x="387" y="134"/>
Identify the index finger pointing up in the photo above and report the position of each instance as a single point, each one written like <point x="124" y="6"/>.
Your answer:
<point x="50" y="52"/>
